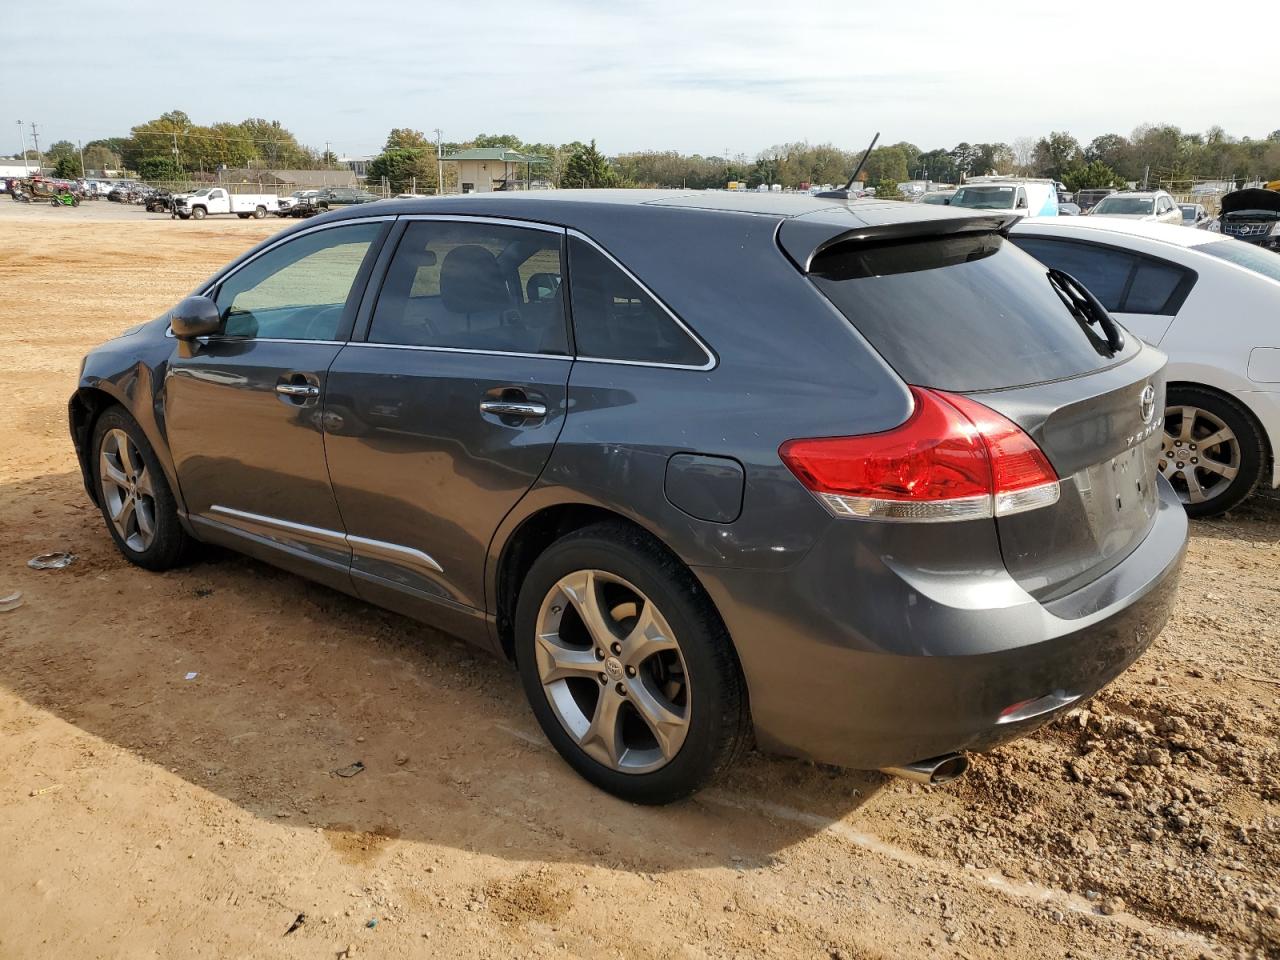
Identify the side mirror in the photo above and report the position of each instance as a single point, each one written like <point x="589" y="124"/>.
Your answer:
<point x="195" y="317"/>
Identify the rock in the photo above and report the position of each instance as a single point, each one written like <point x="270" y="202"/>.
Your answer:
<point x="1111" y="906"/>
<point x="401" y="759"/>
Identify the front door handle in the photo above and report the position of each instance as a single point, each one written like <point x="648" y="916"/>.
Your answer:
<point x="524" y="409"/>
<point x="303" y="391"/>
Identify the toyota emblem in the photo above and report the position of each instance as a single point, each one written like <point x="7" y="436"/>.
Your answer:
<point x="1147" y="403"/>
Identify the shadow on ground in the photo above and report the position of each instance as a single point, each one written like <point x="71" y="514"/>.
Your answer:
<point x="293" y="682"/>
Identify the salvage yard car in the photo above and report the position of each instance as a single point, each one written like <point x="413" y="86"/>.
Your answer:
<point x="1253" y="216"/>
<point x="302" y="203"/>
<point x="701" y="465"/>
<point x="1019" y="196"/>
<point x="1153" y="206"/>
<point x="1211" y="304"/>
<point x="217" y="200"/>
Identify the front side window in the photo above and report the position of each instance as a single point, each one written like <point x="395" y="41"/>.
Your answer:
<point x="473" y="286"/>
<point x="298" y="290"/>
<point x="615" y="319"/>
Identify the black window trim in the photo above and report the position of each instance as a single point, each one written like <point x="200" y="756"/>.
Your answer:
<point x="712" y="360"/>
<point x="1176" y="298"/>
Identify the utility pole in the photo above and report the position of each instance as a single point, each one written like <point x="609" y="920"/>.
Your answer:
<point x="35" y="139"/>
<point x="22" y="133"/>
<point x="439" y="163"/>
<point x="175" y="152"/>
<point x="80" y="147"/>
<point x="328" y="164"/>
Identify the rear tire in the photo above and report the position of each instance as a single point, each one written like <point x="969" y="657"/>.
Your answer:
<point x="1210" y="479"/>
<point x="243" y="216"/>
<point x="671" y="713"/>
<point x="130" y="483"/>
<point x="259" y="212"/>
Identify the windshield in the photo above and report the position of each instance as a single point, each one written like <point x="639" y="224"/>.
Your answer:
<point x="935" y="198"/>
<point x="1188" y="212"/>
<point x="201" y="193"/>
<point x="1126" y="206"/>
<point x="1244" y="255"/>
<point x="984" y="198"/>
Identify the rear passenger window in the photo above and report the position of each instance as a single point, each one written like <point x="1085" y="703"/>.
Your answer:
<point x="614" y="319"/>
<point x="1125" y="283"/>
<point x="1153" y="285"/>
<point x="473" y="286"/>
<point x="1103" y="270"/>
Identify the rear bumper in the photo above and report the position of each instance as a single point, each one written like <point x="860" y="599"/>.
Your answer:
<point x="853" y="660"/>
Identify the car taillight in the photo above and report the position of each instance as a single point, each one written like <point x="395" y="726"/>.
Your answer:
<point x="953" y="459"/>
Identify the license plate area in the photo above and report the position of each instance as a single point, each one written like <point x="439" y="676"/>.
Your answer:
<point x="1119" y="496"/>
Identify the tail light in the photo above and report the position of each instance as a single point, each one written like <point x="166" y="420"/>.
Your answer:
<point x="954" y="459"/>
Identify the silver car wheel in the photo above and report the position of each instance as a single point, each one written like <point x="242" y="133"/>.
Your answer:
<point x="612" y="671"/>
<point x="127" y="490"/>
<point x="1200" y="455"/>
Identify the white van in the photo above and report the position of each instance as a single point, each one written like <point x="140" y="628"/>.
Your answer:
<point x="1015" y="195"/>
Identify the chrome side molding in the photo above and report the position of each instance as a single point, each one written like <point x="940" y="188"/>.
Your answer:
<point x="363" y="547"/>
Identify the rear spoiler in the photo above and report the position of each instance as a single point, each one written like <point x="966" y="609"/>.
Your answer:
<point x="803" y="238"/>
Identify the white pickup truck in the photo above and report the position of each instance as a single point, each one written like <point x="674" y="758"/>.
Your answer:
<point x="215" y="200"/>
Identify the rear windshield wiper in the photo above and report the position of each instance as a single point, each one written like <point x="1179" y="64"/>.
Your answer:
<point x="1087" y="307"/>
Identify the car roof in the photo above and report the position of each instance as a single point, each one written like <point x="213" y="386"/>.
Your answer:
<point x="801" y="223"/>
<point x="1141" y="194"/>
<point x="781" y="206"/>
<point x="1171" y="233"/>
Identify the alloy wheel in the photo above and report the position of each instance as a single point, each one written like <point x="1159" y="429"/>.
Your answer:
<point x="612" y="671"/>
<point x="1200" y="455"/>
<point x="127" y="490"/>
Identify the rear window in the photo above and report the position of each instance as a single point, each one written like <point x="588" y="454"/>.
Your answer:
<point x="961" y="313"/>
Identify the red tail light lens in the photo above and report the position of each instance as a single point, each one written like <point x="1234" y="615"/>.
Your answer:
<point x="954" y="459"/>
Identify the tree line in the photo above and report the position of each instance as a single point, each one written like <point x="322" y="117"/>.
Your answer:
<point x="172" y="147"/>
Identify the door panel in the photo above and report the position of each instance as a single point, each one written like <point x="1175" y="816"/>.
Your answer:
<point x="239" y="445"/>
<point x="422" y="476"/>
<point x="243" y="409"/>
<point x="444" y="417"/>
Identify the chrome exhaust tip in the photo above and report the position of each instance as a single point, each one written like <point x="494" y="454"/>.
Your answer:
<point x="934" y="770"/>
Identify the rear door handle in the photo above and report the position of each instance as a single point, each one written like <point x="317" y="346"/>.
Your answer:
<point x="525" y="409"/>
<point x="303" y="391"/>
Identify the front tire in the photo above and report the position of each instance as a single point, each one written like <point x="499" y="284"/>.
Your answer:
<point x="1213" y="452"/>
<point x="139" y="508"/>
<point x="198" y="213"/>
<point x="627" y="666"/>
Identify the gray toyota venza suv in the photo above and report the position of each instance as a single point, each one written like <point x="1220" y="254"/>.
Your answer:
<point x="860" y="479"/>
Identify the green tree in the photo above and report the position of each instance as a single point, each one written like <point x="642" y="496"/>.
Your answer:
<point x="99" y="156"/>
<point x="588" y="167"/>
<point x="403" y="168"/>
<point x="1055" y="154"/>
<point x="403" y="138"/>
<point x="1095" y="173"/>
<point x="508" y="140"/>
<point x="159" y="168"/>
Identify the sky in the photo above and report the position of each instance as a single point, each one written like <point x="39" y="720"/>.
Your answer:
<point x="642" y="74"/>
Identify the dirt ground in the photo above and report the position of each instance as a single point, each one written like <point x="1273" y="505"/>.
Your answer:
<point x="143" y="814"/>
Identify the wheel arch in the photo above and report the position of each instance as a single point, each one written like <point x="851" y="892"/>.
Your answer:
<point x="538" y="531"/>
<point x="84" y="408"/>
